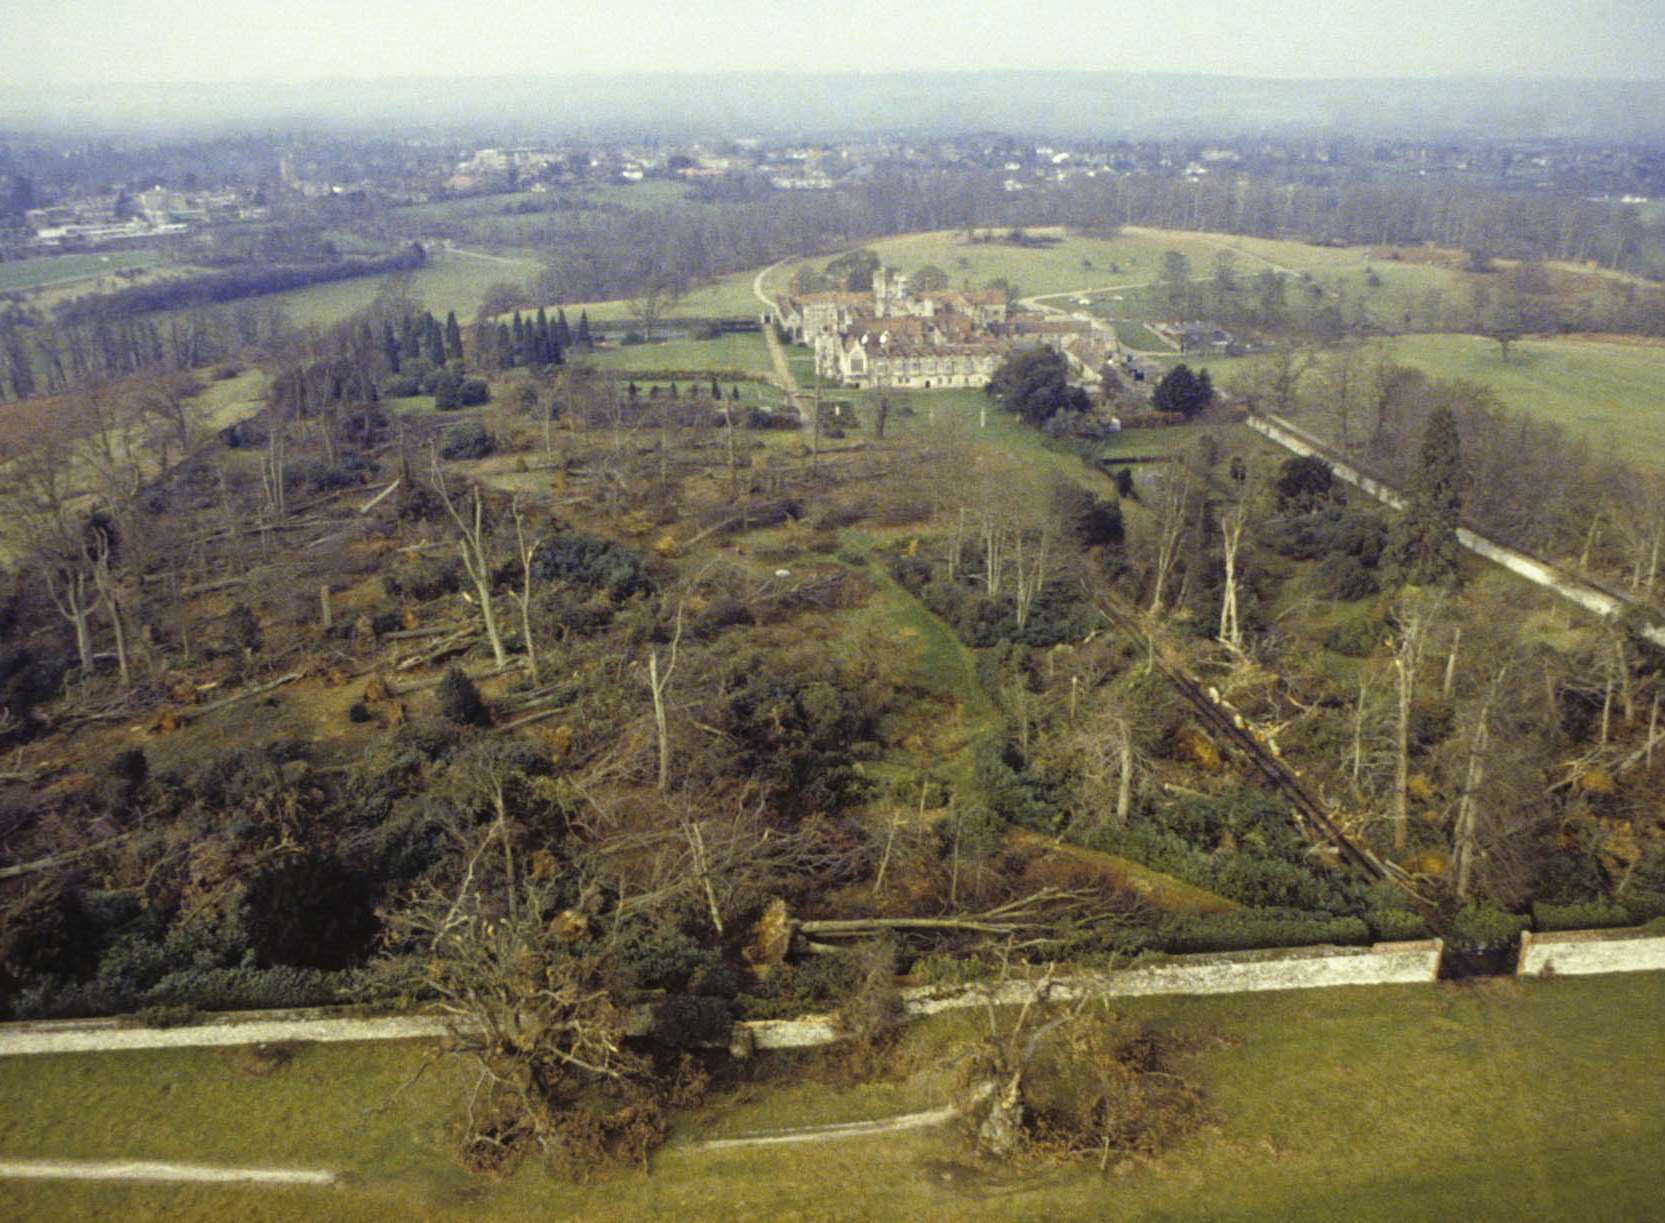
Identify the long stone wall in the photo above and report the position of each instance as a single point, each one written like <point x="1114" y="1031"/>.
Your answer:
<point x="1589" y="597"/>
<point x="1576" y="952"/>
<point x="1234" y="972"/>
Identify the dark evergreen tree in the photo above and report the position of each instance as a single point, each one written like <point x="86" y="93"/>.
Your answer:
<point x="518" y="331"/>
<point x="1035" y="385"/>
<point x="390" y="346"/>
<point x="433" y="340"/>
<point x="563" y="333"/>
<point x="543" y="343"/>
<point x="582" y="339"/>
<point x="1422" y="544"/>
<point x="453" y="338"/>
<point x="1183" y="392"/>
<point x="716" y="391"/>
<point x="460" y="701"/>
<point x="505" y="345"/>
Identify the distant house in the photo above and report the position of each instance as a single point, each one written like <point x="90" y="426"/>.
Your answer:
<point x="896" y="337"/>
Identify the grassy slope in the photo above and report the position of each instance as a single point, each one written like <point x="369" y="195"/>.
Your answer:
<point x="1508" y="1101"/>
<point x="449" y="282"/>
<point x="739" y="350"/>
<point x="1063" y="268"/>
<point x="726" y="297"/>
<point x="25" y="273"/>
<point x="1609" y="393"/>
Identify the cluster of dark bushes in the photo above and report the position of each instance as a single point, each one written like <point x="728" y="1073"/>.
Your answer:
<point x="797" y="734"/>
<point x="468" y="440"/>
<point x="228" y="924"/>
<point x="1241" y="845"/>
<point x="590" y="563"/>
<point x="1058" y="612"/>
<point x="1347" y="543"/>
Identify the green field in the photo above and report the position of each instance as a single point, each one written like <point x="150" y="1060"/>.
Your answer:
<point x="731" y="351"/>
<point x="1502" y="1101"/>
<point x="726" y="297"/>
<point x="1612" y="394"/>
<point x="1080" y="263"/>
<point x="449" y="282"/>
<point x="27" y="273"/>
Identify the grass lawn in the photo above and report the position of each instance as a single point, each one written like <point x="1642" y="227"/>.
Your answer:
<point x="26" y="273"/>
<point x="1536" y="1100"/>
<point x="731" y="351"/>
<point x="1132" y="257"/>
<point x="1612" y="394"/>
<point x="230" y="400"/>
<point x="449" y="282"/>
<point x="726" y="297"/>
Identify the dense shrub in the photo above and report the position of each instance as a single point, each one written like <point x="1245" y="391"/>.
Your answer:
<point x="1589" y="915"/>
<point x="1304" y="484"/>
<point x="460" y="701"/>
<point x="1013" y="792"/>
<point x="318" y="477"/>
<point x="1334" y="531"/>
<point x="1396" y="925"/>
<point x="658" y="954"/>
<point x="591" y="563"/>
<point x="1486" y="928"/>
<point x="424" y="578"/>
<point x="1345" y="578"/>
<point x="796" y="734"/>
<point x="29" y="677"/>
<point x="468" y="440"/>
<point x="688" y="1021"/>
<point x="1356" y="634"/>
<point x="331" y="928"/>
<point x="1257" y="928"/>
<point x="1091" y="521"/>
<point x="1241" y="846"/>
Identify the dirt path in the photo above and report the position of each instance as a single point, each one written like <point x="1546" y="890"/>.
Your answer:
<point x="457" y="250"/>
<point x="143" y="1170"/>
<point x="757" y="282"/>
<point x="783" y="371"/>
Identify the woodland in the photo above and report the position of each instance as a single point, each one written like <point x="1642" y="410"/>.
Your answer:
<point x="463" y="672"/>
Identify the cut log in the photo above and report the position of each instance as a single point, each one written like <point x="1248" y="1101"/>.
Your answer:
<point x="191" y="715"/>
<point x="378" y="498"/>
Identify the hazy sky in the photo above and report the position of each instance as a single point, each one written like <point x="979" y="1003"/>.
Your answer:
<point x="64" y="41"/>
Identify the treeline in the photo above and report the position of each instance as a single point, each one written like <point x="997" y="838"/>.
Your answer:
<point x="1528" y="483"/>
<point x="48" y="358"/>
<point x="195" y="292"/>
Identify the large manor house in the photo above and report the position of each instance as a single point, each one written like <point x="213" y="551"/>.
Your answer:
<point x="895" y="337"/>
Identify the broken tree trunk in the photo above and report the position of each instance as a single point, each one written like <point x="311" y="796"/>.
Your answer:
<point x="193" y="713"/>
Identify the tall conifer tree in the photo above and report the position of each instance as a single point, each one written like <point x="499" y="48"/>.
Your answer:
<point x="1422" y="546"/>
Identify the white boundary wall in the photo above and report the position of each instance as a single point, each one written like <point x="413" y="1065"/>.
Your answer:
<point x="1229" y="972"/>
<point x="1576" y="952"/>
<point x="1233" y="972"/>
<point x="1589" y="597"/>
